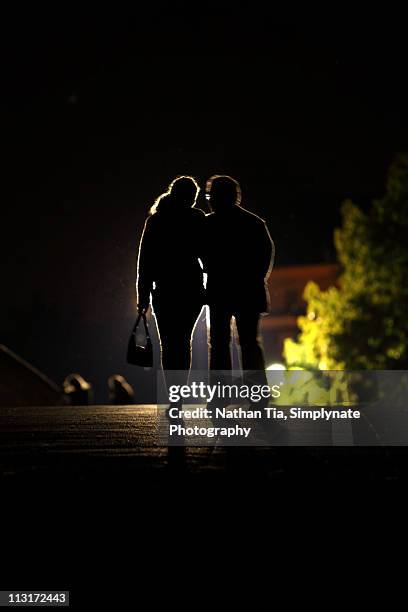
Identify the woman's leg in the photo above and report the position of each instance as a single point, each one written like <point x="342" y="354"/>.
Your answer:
<point x="175" y="330"/>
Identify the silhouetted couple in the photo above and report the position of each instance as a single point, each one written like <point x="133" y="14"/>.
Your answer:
<point x="232" y="246"/>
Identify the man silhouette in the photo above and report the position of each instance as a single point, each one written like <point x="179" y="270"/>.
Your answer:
<point x="239" y="258"/>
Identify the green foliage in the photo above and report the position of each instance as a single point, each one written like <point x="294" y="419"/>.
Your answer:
<point x="362" y="323"/>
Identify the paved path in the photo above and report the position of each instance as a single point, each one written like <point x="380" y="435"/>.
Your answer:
<point x="120" y="441"/>
<point x="85" y="489"/>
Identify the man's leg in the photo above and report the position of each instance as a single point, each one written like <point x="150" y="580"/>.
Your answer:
<point x="220" y="338"/>
<point x="220" y="352"/>
<point x="251" y="350"/>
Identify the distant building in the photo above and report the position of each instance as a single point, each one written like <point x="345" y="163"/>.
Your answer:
<point x="286" y="286"/>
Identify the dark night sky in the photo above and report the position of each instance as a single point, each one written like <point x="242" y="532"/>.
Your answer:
<point x="100" y="111"/>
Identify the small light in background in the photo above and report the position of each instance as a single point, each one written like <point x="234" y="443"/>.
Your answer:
<point x="73" y="98"/>
<point x="276" y="366"/>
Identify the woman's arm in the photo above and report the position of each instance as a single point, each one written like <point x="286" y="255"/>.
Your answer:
<point x="144" y="283"/>
<point x="200" y="238"/>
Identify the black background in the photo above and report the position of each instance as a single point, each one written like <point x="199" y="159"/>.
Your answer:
<point x="102" y="108"/>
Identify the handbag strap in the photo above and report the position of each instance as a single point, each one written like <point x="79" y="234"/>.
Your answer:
<point x="141" y="316"/>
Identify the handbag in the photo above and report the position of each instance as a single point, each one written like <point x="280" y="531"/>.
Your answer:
<point x="140" y="355"/>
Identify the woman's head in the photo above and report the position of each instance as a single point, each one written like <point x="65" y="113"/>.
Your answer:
<point x="182" y="193"/>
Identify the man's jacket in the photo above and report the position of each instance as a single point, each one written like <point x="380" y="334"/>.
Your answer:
<point x="239" y="255"/>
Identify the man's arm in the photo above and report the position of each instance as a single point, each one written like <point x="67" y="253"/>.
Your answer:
<point x="267" y="251"/>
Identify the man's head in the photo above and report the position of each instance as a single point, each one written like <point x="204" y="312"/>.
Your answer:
<point x="222" y="192"/>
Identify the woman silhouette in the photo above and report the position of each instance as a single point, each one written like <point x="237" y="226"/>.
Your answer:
<point x="170" y="269"/>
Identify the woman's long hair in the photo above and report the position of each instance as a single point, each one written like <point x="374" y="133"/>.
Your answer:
<point x="181" y="193"/>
